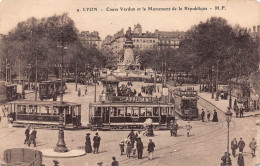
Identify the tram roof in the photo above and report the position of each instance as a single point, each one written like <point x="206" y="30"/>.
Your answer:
<point x="32" y="102"/>
<point x="129" y="104"/>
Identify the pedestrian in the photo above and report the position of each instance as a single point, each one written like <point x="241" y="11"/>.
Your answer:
<point x="0" y="118"/>
<point x="171" y="127"/>
<point x="215" y="116"/>
<point x="139" y="147"/>
<point x="88" y="147"/>
<point x="86" y="90"/>
<point x="133" y="150"/>
<point x="96" y="143"/>
<point x="225" y="159"/>
<point x="202" y="115"/>
<point x="241" y="144"/>
<point x="128" y="148"/>
<point x="237" y="111"/>
<point x="208" y="115"/>
<point x="241" y="112"/>
<point x="79" y="92"/>
<point x="122" y="147"/>
<point x="188" y="127"/>
<point x="175" y="128"/>
<point x="23" y="94"/>
<point x="150" y="149"/>
<point x="240" y="159"/>
<point x="132" y="137"/>
<point x="27" y="133"/>
<point x="252" y="146"/>
<point x="32" y="137"/>
<point x="114" y="163"/>
<point x="234" y="146"/>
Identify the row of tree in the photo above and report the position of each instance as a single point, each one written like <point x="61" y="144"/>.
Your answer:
<point x="211" y="48"/>
<point x="42" y="43"/>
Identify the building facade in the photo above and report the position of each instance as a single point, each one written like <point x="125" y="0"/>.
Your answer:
<point x="144" y="41"/>
<point x="90" y="39"/>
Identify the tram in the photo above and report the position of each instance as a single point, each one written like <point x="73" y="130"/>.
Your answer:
<point x="51" y="89"/>
<point x="8" y="92"/>
<point x="130" y="112"/>
<point x="185" y="102"/>
<point x="44" y="113"/>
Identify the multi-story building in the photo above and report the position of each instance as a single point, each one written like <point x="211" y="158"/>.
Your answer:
<point x="90" y="39"/>
<point x="169" y="39"/>
<point x="145" y="41"/>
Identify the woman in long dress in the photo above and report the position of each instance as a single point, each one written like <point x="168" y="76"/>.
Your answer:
<point x="215" y="116"/>
<point x="88" y="147"/>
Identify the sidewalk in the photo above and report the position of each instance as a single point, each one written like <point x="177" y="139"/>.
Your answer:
<point x="223" y="105"/>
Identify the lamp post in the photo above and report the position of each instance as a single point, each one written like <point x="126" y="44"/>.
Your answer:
<point x="61" y="145"/>
<point x="95" y="75"/>
<point x="212" y="82"/>
<point x="230" y="99"/>
<point x="29" y="68"/>
<point x="228" y="119"/>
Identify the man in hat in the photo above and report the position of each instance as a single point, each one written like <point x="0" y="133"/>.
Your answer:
<point x="132" y="137"/>
<point x="150" y="149"/>
<point x="27" y="133"/>
<point x="114" y="163"/>
<point x="171" y="127"/>
<point x="252" y="146"/>
<point x="96" y="143"/>
<point x="240" y="160"/>
<point x="234" y="146"/>
<point x="32" y="137"/>
<point x="139" y="147"/>
<point x="202" y="115"/>
<point x="241" y="144"/>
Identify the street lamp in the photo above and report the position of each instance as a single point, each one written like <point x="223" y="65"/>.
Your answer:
<point x="228" y="119"/>
<point x="95" y="75"/>
<point x="230" y="99"/>
<point x="29" y="68"/>
<point x="61" y="145"/>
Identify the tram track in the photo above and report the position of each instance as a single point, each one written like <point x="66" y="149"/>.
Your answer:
<point x="191" y="143"/>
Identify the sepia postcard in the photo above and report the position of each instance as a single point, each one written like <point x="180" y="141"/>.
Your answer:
<point x="113" y="82"/>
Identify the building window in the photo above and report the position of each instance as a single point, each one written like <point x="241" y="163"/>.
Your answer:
<point x="144" y="41"/>
<point x="140" y="45"/>
<point x="137" y="40"/>
<point x="153" y="40"/>
<point x="140" y="40"/>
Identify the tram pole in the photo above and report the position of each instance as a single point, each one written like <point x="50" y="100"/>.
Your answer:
<point x="36" y="80"/>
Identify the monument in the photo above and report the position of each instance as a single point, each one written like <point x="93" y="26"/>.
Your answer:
<point x="129" y="60"/>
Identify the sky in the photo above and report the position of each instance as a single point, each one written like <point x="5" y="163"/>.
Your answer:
<point x="246" y="13"/>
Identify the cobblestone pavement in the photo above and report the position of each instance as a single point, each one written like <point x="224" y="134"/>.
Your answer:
<point x="205" y="146"/>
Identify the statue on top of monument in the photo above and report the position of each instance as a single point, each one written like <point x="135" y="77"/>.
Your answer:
<point x="129" y="34"/>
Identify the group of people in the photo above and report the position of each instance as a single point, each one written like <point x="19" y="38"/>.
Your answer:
<point x="79" y="91"/>
<point x="239" y="111"/>
<point x="215" y="116"/>
<point x="96" y="143"/>
<point x="173" y="128"/>
<point x="239" y="145"/>
<point x="148" y="90"/>
<point x="125" y="90"/>
<point x="133" y="144"/>
<point x="30" y="136"/>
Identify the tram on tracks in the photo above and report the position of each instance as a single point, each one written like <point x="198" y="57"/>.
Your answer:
<point x="51" y="89"/>
<point x="8" y="92"/>
<point x="185" y="102"/>
<point x="44" y="113"/>
<point x="122" y="113"/>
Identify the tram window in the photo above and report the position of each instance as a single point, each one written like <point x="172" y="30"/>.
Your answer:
<point x="128" y="111"/>
<point x="45" y="110"/>
<point x="142" y="111"/>
<point x="98" y="111"/>
<point x="155" y="111"/>
<point x="164" y="111"/>
<point x="149" y="112"/>
<point x="169" y="110"/>
<point x="121" y="111"/>
<point x="55" y="111"/>
<point x="114" y="111"/>
<point x="135" y="111"/>
<point x="20" y="109"/>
